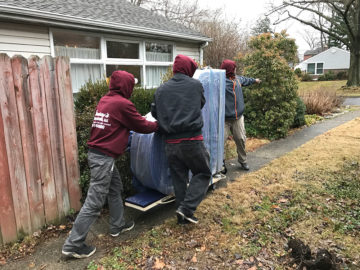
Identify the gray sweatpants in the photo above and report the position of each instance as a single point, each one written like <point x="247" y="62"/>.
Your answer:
<point x="237" y="128"/>
<point x="105" y="183"/>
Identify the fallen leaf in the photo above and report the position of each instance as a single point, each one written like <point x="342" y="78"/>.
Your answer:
<point x="253" y="268"/>
<point x="274" y="206"/>
<point x="194" y="260"/>
<point x="100" y="267"/>
<point x="31" y="265"/>
<point x="62" y="227"/>
<point x="282" y="200"/>
<point x="203" y="248"/>
<point x="2" y="261"/>
<point x="159" y="264"/>
<point x="239" y="262"/>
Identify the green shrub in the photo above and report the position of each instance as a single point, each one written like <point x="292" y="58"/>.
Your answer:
<point x="306" y="77"/>
<point x="298" y="72"/>
<point x="342" y="75"/>
<point x="328" y="76"/>
<point x="85" y="104"/>
<point x="299" y="119"/>
<point x="270" y="106"/>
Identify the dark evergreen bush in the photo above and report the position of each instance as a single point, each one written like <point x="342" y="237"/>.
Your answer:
<point x="85" y="104"/>
<point x="270" y="106"/>
<point x="299" y="119"/>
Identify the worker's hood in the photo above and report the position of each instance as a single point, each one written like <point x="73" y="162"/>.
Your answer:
<point x="229" y="66"/>
<point x="184" y="65"/>
<point x="122" y="82"/>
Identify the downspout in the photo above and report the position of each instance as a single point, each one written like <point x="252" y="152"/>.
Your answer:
<point x="204" y="45"/>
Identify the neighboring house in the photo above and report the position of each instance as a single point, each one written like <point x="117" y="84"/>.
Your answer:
<point x="311" y="53"/>
<point x="98" y="36"/>
<point x="333" y="59"/>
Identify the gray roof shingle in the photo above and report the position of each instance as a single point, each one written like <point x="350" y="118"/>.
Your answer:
<point x="106" y="11"/>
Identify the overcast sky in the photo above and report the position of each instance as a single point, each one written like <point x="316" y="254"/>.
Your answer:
<point x="250" y="10"/>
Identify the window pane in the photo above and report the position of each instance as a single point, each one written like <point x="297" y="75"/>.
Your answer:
<point x="74" y="45"/>
<point x="154" y="75"/>
<point x="158" y="52"/>
<point x="122" y="50"/>
<point x="311" y="68"/>
<point x="82" y="73"/>
<point x="134" y="70"/>
<point x="319" y="68"/>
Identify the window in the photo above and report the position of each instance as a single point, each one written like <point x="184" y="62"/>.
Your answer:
<point x="76" y="46"/>
<point x="83" y="73"/>
<point x="157" y="52"/>
<point x="134" y="70"/>
<point x="311" y="68"/>
<point x="154" y="75"/>
<point x="319" y="68"/>
<point x="122" y="50"/>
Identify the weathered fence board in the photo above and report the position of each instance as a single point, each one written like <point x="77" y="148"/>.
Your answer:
<point x="42" y="140"/>
<point x="7" y="213"/>
<point x="24" y="107"/>
<point x="39" y="171"/>
<point x="69" y="130"/>
<point x="14" y="146"/>
<point x="54" y="122"/>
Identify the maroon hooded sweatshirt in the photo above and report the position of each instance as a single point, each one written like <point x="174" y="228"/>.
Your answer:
<point x="115" y="116"/>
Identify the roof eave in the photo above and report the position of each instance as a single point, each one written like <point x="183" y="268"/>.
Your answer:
<point x="51" y="19"/>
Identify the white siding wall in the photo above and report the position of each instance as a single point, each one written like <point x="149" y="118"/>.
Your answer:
<point x="333" y="58"/>
<point x="188" y="49"/>
<point x="24" y="40"/>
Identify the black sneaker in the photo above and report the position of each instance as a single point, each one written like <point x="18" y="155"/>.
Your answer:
<point x="244" y="166"/>
<point x="79" y="253"/>
<point x="127" y="227"/>
<point x="187" y="217"/>
<point x="181" y="220"/>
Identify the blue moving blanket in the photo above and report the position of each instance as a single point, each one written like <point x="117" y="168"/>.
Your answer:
<point x="147" y="151"/>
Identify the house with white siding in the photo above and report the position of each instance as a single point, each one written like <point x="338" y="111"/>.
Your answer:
<point x="333" y="59"/>
<point x="98" y="37"/>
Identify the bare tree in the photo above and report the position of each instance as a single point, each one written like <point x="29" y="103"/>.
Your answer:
<point x="341" y="21"/>
<point x="229" y="40"/>
<point x="138" y="2"/>
<point x="312" y="39"/>
<point x="180" y="11"/>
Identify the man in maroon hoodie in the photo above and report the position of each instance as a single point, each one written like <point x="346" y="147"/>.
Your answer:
<point x="115" y="116"/>
<point x="177" y="107"/>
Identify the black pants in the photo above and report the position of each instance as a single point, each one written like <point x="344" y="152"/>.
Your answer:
<point x="184" y="157"/>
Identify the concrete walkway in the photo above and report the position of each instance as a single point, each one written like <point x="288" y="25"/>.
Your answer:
<point x="275" y="149"/>
<point x="48" y="254"/>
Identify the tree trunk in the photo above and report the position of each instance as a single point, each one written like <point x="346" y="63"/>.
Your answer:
<point x="354" y="70"/>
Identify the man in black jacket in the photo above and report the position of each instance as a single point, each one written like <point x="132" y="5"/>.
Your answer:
<point x="177" y="107"/>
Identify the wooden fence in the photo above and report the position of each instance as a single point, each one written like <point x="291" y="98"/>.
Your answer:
<point x="39" y="171"/>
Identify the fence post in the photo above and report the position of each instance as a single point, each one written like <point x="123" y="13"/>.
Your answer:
<point x="69" y="130"/>
<point x="7" y="214"/>
<point x="51" y="101"/>
<point x="14" y="146"/>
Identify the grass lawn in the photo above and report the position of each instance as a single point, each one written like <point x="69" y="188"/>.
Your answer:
<point x="329" y="85"/>
<point x="311" y="194"/>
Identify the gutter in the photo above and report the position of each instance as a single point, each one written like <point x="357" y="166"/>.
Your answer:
<point x="48" y="18"/>
<point x="202" y="52"/>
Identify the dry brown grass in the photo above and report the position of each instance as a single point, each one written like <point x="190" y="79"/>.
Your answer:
<point x="321" y="101"/>
<point x="252" y="218"/>
<point x="251" y="145"/>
